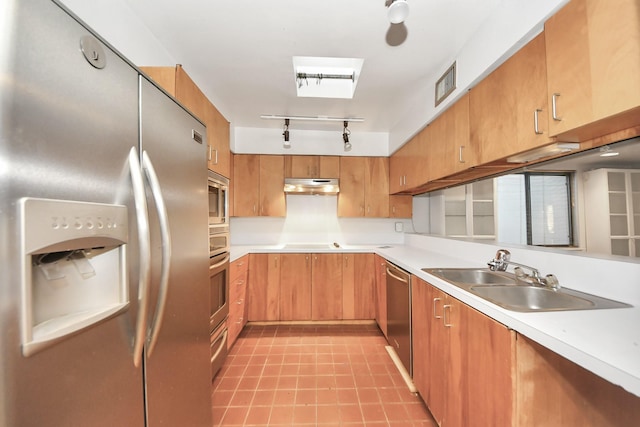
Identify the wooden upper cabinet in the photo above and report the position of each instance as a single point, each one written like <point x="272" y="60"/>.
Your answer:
<point x="246" y="185"/>
<point x="593" y="64"/>
<point x="409" y="165"/>
<point x="258" y="182"/>
<point x="312" y="166"/>
<point x="503" y="107"/>
<point x="450" y="148"/>
<point x="351" y="196"/>
<point x="400" y="206"/>
<point x="178" y="84"/>
<point x="272" y="199"/>
<point x="364" y="187"/>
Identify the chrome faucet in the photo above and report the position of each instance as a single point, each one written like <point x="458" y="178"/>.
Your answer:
<point x="503" y="259"/>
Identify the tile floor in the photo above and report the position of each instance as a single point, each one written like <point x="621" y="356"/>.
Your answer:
<point x="313" y="375"/>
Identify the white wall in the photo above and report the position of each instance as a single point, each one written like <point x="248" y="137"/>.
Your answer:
<point x="314" y="219"/>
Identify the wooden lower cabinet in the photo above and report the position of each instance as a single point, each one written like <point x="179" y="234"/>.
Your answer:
<point x="303" y="286"/>
<point x="358" y="287"/>
<point x="326" y="286"/>
<point x="473" y="371"/>
<point x="553" y="391"/>
<point x="238" y="273"/>
<point x="295" y="287"/>
<point x="263" y="291"/>
<point x="462" y="360"/>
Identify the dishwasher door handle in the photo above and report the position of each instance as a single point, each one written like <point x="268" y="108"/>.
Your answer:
<point x="402" y="279"/>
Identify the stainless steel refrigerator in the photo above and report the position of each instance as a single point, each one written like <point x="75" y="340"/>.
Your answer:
<point x="104" y="294"/>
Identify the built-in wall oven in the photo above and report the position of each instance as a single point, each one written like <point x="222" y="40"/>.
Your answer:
<point x="218" y="267"/>
<point x="219" y="303"/>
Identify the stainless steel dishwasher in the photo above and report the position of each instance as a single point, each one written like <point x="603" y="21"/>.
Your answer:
<point x="399" y="314"/>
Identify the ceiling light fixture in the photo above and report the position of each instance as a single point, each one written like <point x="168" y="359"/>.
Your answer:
<point x="285" y="134"/>
<point x="545" y="151"/>
<point x="345" y="136"/>
<point x="303" y="77"/>
<point x="398" y="11"/>
<point x="312" y="118"/>
<point x="607" y="152"/>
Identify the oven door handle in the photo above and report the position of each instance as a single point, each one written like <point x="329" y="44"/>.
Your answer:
<point x="222" y="345"/>
<point x="165" y="237"/>
<point x="226" y="258"/>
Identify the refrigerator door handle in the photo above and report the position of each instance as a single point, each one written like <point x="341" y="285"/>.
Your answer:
<point x="144" y="243"/>
<point x="165" y="235"/>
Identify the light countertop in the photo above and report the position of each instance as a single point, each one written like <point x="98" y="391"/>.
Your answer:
<point x="605" y="342"/>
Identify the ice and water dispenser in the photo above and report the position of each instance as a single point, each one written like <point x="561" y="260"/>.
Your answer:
<point x="74" y="268"/>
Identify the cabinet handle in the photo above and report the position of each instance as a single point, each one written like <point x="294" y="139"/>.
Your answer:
<point x="536" y="128"/>
<point x="215" y="162"/>
<point x="404" y="179"/>
<point x="254" y="208"/>
<point x="239" y="321"/>
<point x="444" y="315"/>
<point x="435" y="309"/>
<point x="554" y="107"/>
<point x="460" y="157"/>
<point x="209" y="154"/>
<point x="346" y="261"/>
<point x="393" y="209"/>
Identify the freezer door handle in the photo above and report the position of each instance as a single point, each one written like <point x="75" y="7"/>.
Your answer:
<point x="165" y="236"/>
<point x="144" y="243"/>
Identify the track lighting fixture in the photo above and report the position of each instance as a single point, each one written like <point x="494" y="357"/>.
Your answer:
<point x="345" y="136"/>
<point x="398" y="11"/>
<point x="285" y="134"/>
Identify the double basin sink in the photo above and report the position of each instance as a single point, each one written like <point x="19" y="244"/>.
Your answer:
<point x="503" y="289"/>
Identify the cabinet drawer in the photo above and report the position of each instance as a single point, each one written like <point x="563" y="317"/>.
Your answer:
<point x="239" y="268"/>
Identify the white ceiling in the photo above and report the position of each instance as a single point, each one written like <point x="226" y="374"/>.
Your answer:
<point x="240" y="51"/>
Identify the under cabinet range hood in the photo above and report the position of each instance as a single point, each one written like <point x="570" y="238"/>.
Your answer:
<point x="314" y="186"/>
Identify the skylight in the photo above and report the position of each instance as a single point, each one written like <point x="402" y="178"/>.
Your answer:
<point x="317" y="77"/>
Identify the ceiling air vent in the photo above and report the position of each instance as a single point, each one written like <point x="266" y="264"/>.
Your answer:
<point x="446" y="84"/>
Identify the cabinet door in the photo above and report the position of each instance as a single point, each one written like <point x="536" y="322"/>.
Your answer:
<point x="219" y="153"/>
<point x="263" y="287"/>
<point x="329" y="167"/>
<point x="358" y="286"/>
<point x="450" y="148"/>
<point x="553" y="391"/>
<point x="446" y="391"/>
<point x="502" y="107"/>
<point x="326" y="286"/>
<point x="351" y="196"/>
<point x="400" y="206"/>
<point x="409" y="166"/>
<point x="487" y="362"/>
<point x="376" y="187"/>
<point x="295" y="287"/>
<point x="246" y="183"/>
<point x="593" y="63"/>
<point x="301" y="166"/>
<point x="381" y="293"/>
<point x="421" y="318"/>
<point x="272" y="199"/>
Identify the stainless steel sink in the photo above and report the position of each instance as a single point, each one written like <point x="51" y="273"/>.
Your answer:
<point x="502" y="288"/>
<point x="531" y="298"/>
<point x="471" y="276"/>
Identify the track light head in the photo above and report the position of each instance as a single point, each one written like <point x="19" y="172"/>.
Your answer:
<point x="285" y="134"/>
